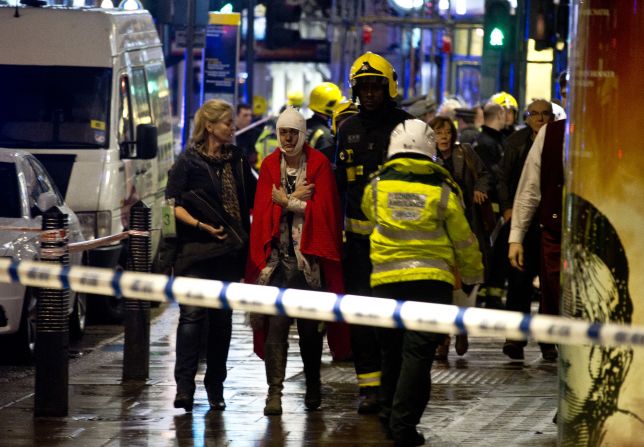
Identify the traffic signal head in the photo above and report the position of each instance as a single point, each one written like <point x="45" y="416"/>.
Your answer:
<point x="498" y="25"/>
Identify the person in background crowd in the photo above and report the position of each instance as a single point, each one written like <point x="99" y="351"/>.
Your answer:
<point x="540" y="192"/>
<point x="511" y="107"/>
<point x="415" y="200"/>
<point x="449" y="106"/>
<point x="489" y="147"/>
<point x="468" y="133"/>
<point x="424" y="109"/>
<point x="295" y="242"/>
<point x="246" y="139"/>
<point x="213" y="188"/>
<point x="479" y="117"/>
<point x="467" y="169"/>
<point x="362" y="144"/>
<point x="517" y="146"/>
<point x="323" y="99"/>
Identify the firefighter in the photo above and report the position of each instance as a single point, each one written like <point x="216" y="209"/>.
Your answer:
<point x="362" y="148"/>
<point x="511" y="106"/>
<point x="322" y="101"/>
<point x="420" y="238"/>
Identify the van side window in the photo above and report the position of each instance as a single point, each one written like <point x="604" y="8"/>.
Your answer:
<point x="141" y="104"/>
<point x="126" y="126"/>
<point x="159" y="97"/>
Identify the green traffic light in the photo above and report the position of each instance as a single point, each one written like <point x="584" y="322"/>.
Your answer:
<point x="497" y="37"/>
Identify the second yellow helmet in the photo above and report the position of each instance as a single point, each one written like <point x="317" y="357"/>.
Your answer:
<point x="324" y="98"/>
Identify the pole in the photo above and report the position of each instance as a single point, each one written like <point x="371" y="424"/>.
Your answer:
<point x="136" y="347"/>
<point x="52" y="324"/>
<point x="250" y="51"/>
<point x="190" y="74"/>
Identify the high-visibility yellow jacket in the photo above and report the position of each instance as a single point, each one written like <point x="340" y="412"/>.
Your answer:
<point x="420" y="231"/>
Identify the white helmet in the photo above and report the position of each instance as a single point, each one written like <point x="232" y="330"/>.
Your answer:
<point x="412" y="136"/>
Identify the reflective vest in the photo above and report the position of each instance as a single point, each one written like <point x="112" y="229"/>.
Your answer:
<point x="420" y="231"/>
<point x="266" y="144"/>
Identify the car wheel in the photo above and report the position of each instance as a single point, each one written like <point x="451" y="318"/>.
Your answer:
<point x="78" y="317"/>
<point x="19" y="347"/>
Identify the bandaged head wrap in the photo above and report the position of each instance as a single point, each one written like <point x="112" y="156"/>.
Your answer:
<point x="292" y="119"/>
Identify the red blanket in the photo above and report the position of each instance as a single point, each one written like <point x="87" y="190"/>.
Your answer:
<point x="321" y="232"/>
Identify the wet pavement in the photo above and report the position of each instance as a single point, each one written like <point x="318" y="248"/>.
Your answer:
<point x="480" y="399"/>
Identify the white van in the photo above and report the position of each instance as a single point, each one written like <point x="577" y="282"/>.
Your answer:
<point x="78" y="88"/>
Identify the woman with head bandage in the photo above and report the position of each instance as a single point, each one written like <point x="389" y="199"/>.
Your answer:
<point x="296" y="188"/>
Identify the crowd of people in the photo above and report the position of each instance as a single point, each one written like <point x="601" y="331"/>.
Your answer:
<point x="432" y="204"/>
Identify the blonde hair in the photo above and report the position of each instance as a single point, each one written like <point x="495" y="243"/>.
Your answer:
<point x="212" y="111"/>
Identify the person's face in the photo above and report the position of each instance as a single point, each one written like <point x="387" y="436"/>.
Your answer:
<point x="538" y="114"/>
<point x="371" y="92"/>
<point x="510" y="117"/>
<point x="443" y="134"/>
<point x="288" y="138"/>
<point x="223" y="130"/>
<point x="244" y="117"/>
<point x="479" y="119"/>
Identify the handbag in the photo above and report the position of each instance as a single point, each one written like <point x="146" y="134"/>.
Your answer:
<point x="196" y="245"/>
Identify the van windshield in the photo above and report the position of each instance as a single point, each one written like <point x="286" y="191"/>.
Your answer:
<point x="54" y="107"/>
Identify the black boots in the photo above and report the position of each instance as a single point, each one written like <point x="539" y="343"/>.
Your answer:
<point x="275" y="363"/>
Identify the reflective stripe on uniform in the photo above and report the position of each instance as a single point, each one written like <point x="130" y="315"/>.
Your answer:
<point x="374" y="196"/>
<point x="358" y="226"/>
<point x="466" y="243"/>
<point x="409" y="235"/>
<point x="369" y="379"/>
<point x="315" y="137"/>
<point x="442" y="205"/>
<point x="410" y="264"/>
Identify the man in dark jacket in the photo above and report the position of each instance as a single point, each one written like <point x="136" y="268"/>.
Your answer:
<point x="363" y="140"/>
<point x="489" y="148"/>
<point x="517" y="146"/>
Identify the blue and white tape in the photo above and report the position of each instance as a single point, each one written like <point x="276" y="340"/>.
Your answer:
<point x="321" y="305"/>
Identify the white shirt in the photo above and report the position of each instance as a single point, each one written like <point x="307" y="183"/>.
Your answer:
<point x="528" y="195"/>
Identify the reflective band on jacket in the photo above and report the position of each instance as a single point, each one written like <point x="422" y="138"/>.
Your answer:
<point x="442" y="206"/>
<point x="316" y="136"/>
<point x="464" y="244"/>
<point x="411" y="264"/>
<point x="358" y="226"/>
<point x="410" y="235"/>
<point x="369" y="379"/>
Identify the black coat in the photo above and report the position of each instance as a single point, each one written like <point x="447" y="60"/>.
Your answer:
<point x="363" y="141"/>
<point x="516" y="148"/>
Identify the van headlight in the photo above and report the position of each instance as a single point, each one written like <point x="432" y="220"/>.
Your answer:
<point x="95" y="225"/>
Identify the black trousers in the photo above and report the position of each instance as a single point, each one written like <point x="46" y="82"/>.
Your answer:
<point x="190" y="331"/>
<point x="364" y="339"/>
<point x="407" y="358"/>
<point x="520" y="282"/>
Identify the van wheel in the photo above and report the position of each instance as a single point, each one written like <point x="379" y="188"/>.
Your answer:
<point x="19" y="348"/>
<point x="78" y="317"/>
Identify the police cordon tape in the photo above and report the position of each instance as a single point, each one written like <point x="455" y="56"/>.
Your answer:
<point x="354" y="309"/>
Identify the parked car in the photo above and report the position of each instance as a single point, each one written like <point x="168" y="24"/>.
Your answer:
<point x="26" y="191"/>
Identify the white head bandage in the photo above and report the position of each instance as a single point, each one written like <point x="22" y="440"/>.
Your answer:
<point x="292" y="119"/>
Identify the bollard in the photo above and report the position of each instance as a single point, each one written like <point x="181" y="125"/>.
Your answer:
<point x="52" y="325"/>
<point x="136" y="349"/>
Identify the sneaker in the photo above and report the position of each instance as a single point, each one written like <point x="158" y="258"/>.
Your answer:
<point x="513" y="350"/>
<point x="217" y="404"/>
